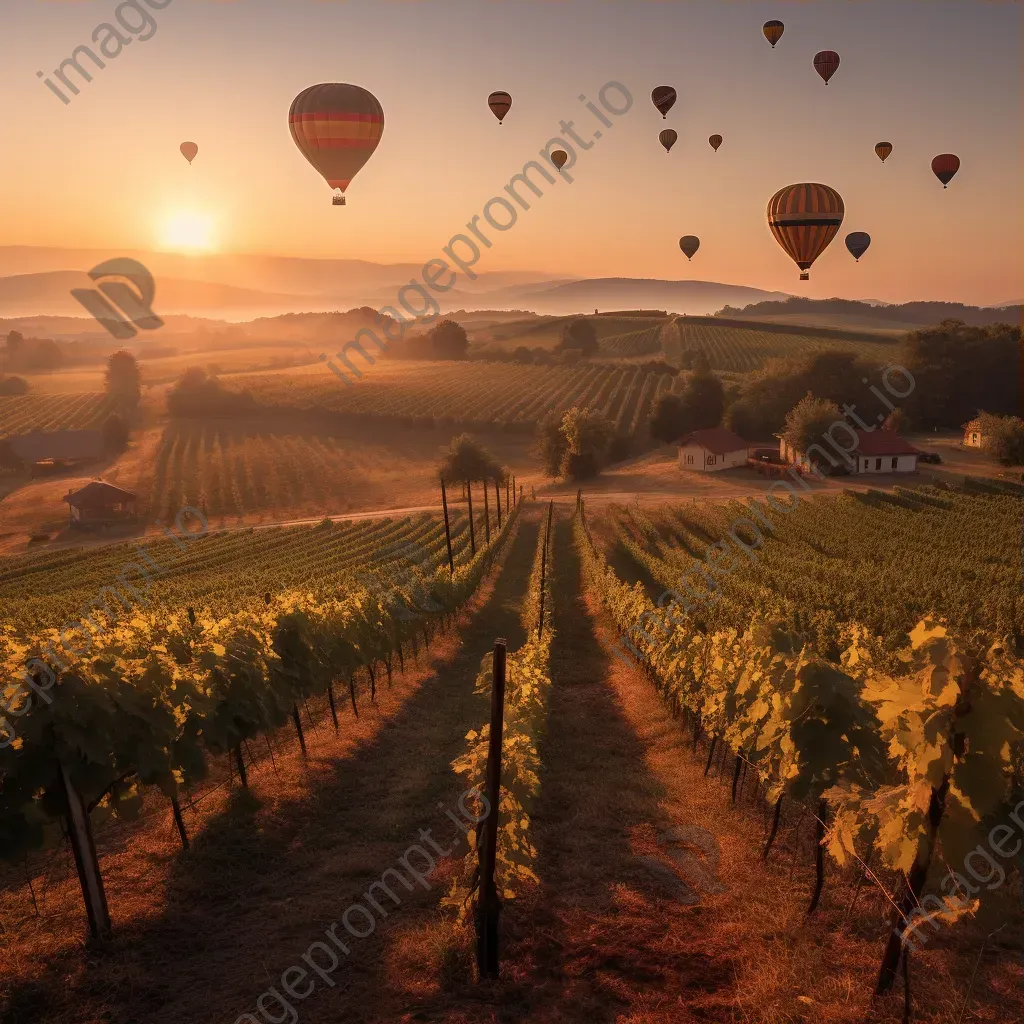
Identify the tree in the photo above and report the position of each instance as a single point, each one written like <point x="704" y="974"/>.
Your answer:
<point x="897" y="421"/>
<point x="14" y="341"/>
<point x="448" y="340"/>
<point x="465" y="460"/>
<point x="579" y="334"/>
<point x="703" y="402"/>
<point x="13" y="386"/>
<point x="587" y="438"/>
<point x="549" y="446"/>
<point x="1002" y="438"/>
<point x="668" y="423"/>
<point x="808" y="422"/>
<point x="115" y="434"/>
<point x="123" y="378"/>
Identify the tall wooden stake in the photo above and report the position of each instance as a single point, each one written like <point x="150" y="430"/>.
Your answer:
<point x="447" y="534"/>
<point x="487" y="514"/>
<point x="80" y="831"/>
<point x="472" y="532"/>
<point x="179" y="822"/>
<point x="488" y="907"/>
<point x="497" y="501"/>
<point x="507" y="506"/>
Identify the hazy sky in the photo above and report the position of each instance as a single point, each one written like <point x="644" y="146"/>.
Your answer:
<point x="930" y="77"/>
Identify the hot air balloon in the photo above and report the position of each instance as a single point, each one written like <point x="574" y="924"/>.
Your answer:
<point x="558" y="158"/>
<point x="689" y="244"/>
<point x="944" y="166"/>
<point x="825" y="63"/>
<point x="189" y="150"/>
<point x="773" y="31"/>
<point x="883" y="149"/>
<point x="668" y="139"/>
<point x="716" y="141"/>
<point x="337" y="128"/>
<point x="804" y="218"/>
<point x="857" y="242"/>
<point x="663" y="96"/>
<point x="500" y="104"/>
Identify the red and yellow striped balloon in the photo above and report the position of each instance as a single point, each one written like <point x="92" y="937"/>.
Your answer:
<point x="804" y="219"/>
<point x="336" y="127"/>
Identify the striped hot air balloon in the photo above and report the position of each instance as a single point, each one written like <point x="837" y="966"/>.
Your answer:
<point x="336" y="127"/>
<point x="668" y="138"/>
<point x="804" y="219"/>
<point x="857" y="243"/>
<point x="500" y="103"/>
<point x="715" y="141"/>
<point x="825" y="63"/>
<point x="689" y="244"/>
<point x="944" y="166"/>
<point x="883" y="149"/>
<point x="663" y="97"/>
<point x="773" y="31"/>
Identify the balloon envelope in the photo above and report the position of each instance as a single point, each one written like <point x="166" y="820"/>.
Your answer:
<point x="825" y="63"/>
<point x="668" y="139"/>
<point x="944" y="166"/>
<point x="558" y="158"/>
<point x="716" y="141"/>
<point x="663" y="97"/>
<point x="773" y="31"/>
<point x="883" y="149"/>
<point x="336" y="127"/>
<point x="857" y="242"/>
<point x="804" y="219"/>
<point x="500" y="104"/>
<point x="189" y="150"/>
<point x="689" y="244"/>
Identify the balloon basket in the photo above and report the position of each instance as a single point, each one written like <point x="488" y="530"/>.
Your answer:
<point x="338" y="201"/>
<point x="805" y="276"/>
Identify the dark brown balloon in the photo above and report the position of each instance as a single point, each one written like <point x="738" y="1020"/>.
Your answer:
<point x="773" y="31"/>
<point x="500" y="104"/>
<point x="668" y="138"/>
<point x="826" y="63"/>
<point x="664" y="97"/>
<point x="715" y="141"/>
<point x="944" y="166"/>
<point x="558" y="158"/>
<point x="883" y="149"/>
<point x="689" y="244"/>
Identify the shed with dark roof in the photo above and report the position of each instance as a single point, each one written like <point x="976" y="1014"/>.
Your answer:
<point x="99" y="503"/>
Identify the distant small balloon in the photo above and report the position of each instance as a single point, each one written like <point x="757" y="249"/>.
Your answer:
<point x="716" y="141"/>
<point x="189" y="150"/>
<point x="663" y="97"/>
<point x="826" y="63"/>
<point x="883" y="149"/>
<point x="558" y="158"/>
<point x="944" y="166"/>
<point x="500" y="104"/>
<point x="689" y="244"/>
<point x="668" y="139"/>
<point x="773" y="31"/>
<point x="857" y="242"/>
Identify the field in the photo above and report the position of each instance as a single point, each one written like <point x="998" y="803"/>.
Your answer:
<point x="24" y="413"/>
<point x="545" y="331"/>
<point x="744" y="350"/>
<point x="475" y="395"/>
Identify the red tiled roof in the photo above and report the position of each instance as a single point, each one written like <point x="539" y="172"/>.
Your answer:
<point x="716" y="440"/>
<point x="882" y="442"/>
<point x="99" y="494"/>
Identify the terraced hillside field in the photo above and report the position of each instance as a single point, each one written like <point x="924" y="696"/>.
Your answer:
<point x="475" y="395"/>
<point x="743" y="350"/>
<point x="24" y="413"/>
<point x="545" y="331"/>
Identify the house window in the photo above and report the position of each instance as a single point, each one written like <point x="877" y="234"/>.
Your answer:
<point x="711" y="460"/>
<point x="895" y="462"/>
<point x="878" y="464"/>
<point x="689" y="460"/>
<point x="974" y="438"/>
<point x="865" y="464"/>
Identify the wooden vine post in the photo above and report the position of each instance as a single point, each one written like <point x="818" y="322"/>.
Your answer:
<point x="472" y="532"/>
<point x="544" y="569"/>
<point x="488" y="905"/>
<point x="447" y="530"/>
<point x="497" y="500"/>
<point x="84" y="848"/>
<point x="487" y="515"/>
<point x="506" y="494"/>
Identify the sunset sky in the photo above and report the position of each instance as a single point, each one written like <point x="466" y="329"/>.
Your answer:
<point x="929" y="77"/>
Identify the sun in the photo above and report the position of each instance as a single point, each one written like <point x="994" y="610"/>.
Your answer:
<point x="187" y="231"/>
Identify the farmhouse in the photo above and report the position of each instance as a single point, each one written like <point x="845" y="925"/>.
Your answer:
<point x="972" y="434"/>
<point x="100" y="504"/>
<point x="58" y="447"/>
<point x="876" y="451"/>
<point x="707" y="451"/>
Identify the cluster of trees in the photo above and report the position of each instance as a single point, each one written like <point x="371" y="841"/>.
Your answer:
<point x="576" y="445"/>
<point x="199" y="393"/>
<point x="447" y="339"/>
<point x="11" y="386"/>
<point x="123" y="378"/>
<point x="700" y="406"/>
<point x="32" y="355"/>
<point x="578" y="335"/>
<point x="1002" y="437"/>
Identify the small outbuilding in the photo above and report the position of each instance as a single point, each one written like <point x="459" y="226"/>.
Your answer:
<point x="101" y="504"/>
<point x="972" y="434"/>
<point x="707" y="451"/>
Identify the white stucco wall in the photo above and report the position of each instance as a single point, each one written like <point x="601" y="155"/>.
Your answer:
<point x="701" y="457"/>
